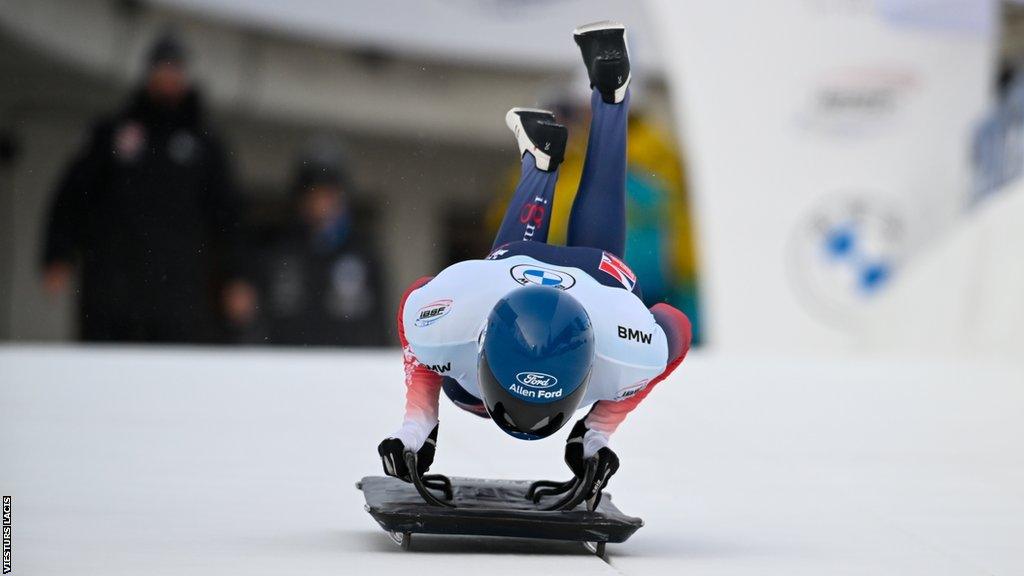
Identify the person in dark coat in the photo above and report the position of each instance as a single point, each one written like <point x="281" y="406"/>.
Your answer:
<point x="146" y="213"/>
<point x="318" y="278"/>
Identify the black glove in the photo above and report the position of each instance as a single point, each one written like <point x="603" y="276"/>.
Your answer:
<point x="392" y="456"/>
<point x="606" y="460"/>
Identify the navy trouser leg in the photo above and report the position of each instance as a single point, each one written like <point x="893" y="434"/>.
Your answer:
<point x="528" y="216"/>
<point x="598" y="217"/>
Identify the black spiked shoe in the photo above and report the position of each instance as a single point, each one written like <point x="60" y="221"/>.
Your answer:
<point x="537" y="133"/>
<point x="603" y="45"/>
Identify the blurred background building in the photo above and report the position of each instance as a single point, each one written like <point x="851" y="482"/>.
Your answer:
<point x="418" y="111"/>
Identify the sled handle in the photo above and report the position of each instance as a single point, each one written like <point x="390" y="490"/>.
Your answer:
<point x="423" y="483"/>
<point x="438" y="482"/>
<point x="542" y="488"/>
<point x="579" y="490"/>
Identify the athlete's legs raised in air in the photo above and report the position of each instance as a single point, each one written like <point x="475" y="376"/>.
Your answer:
<point x="542" y="146"/>
<point x="598" y="217"/>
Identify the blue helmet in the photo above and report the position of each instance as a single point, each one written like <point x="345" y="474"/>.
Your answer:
<point x="535" y="361"/>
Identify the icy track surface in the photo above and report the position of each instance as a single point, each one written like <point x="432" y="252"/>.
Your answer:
<point x="136" y="462"/>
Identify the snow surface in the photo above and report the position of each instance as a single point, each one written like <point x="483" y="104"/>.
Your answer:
<point x="182" y="461"/>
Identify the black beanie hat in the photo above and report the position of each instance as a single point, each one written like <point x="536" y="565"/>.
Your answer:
<point x="322" y="162"/>
<point x="168" y="47"/>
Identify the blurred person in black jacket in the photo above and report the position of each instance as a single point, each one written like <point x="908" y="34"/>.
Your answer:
<point x="147" y="213"/>
<point x="318" y="278"/>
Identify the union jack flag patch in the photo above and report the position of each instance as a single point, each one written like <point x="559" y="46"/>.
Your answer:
<point x="617" y="269"/>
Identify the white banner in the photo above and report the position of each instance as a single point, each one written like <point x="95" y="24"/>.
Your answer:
<point x="518" y="33"/>
<point x="828" y="142"/>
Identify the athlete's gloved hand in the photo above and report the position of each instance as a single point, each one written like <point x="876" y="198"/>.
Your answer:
<point x="604" y="458"/>
<point x="392" y="456"/>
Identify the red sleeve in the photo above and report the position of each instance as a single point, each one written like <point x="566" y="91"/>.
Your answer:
<point x="606" y="415"/>
<point x="423" y="387"/>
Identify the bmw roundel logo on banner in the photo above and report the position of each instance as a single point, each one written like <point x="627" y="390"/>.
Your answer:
<point x="530" y="274"/>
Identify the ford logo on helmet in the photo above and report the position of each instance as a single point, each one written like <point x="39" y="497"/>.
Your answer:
<point x="536" y="379"/>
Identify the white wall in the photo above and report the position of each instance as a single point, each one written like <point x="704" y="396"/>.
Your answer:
<point x="807" y="117"/>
